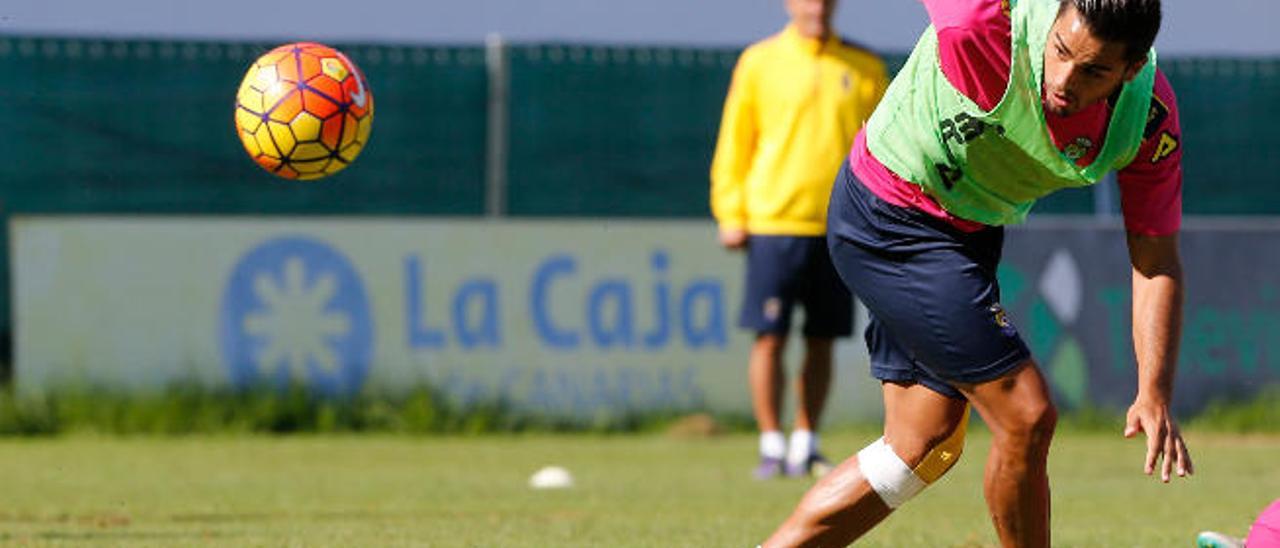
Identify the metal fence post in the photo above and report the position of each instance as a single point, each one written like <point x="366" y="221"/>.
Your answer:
<point x="499" y="72"/>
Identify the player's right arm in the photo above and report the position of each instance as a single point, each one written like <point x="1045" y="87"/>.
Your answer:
<point x="975" y="46"/>
<point x="735" y="149"/>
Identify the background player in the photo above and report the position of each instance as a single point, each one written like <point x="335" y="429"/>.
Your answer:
<point x="796" y="102"/>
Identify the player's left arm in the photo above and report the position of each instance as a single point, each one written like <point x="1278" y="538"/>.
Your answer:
<point x="1157" y="329"/>
<point x="1151" y="198"/>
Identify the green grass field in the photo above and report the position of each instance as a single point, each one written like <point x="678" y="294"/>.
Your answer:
<point x="648" y="490"/>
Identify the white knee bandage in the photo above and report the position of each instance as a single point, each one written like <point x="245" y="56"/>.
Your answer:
<point x="891" y="478"/>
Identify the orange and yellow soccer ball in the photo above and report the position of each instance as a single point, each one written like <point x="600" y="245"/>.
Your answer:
<point x="304" y="111"/>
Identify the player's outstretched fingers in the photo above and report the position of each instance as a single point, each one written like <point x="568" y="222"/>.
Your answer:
<point x="1170" y="448"/>
<point x="1190" y="465"/>
<point x="1185" y="466"/>
<point x="1155" y="438"/>
<point x="1133" y="425"/>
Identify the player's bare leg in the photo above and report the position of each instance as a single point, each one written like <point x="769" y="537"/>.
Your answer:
<point x="767" y="378"/>
<point x="812" y="386"/>
<point x="843" y="506"/>
<point x="1022" y="418"/>
<point x="814" y="382"/>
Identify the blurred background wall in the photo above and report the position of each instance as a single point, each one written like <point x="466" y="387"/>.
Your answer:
<point x="608" y="110"/>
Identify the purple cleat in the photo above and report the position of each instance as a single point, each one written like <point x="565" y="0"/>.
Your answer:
<point x="769" y="468"/>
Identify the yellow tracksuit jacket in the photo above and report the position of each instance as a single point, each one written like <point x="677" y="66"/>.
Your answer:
<point x="790" y="117"/>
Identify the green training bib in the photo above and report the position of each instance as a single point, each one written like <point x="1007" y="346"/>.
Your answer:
<point x="991" y="166"/>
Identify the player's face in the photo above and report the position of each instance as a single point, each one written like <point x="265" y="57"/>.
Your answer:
<point x="812" y="17"/>
<point x="1080" y="69"/>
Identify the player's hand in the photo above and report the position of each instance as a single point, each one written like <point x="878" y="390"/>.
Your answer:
<point x="733" y="238"/>
<point x="1164" y="439"/>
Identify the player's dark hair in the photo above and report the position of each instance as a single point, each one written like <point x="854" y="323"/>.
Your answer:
<point x="1134" y="23"/>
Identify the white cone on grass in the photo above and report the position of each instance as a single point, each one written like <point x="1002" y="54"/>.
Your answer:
<point x="551" y="477"/>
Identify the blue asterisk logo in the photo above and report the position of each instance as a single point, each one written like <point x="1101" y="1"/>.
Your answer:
<point x="295" y="311"/>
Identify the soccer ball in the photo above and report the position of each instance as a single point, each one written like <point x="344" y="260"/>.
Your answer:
<point x="304" y="111"/>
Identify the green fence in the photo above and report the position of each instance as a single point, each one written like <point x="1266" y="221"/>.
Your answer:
<point x="138" y="127"/>
<point x="614" y="131"/>
<point x="1229" y="110"/>
<point x="108" y="126"/>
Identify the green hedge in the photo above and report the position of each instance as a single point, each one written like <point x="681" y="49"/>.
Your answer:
<point x="192" y="410"/>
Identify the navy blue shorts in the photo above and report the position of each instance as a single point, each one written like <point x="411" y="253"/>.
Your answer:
<point x="930" y="289"/>
<point x="784" y="270"/>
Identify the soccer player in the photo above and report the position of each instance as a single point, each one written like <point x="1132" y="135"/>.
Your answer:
<point x="796" y="101"/>
<point x="997" y="106"/>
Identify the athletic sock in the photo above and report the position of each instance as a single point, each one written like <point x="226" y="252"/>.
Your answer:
<point x="803" y="444"/>
<point x="773" y="444"/>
